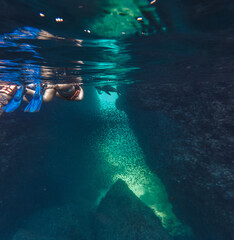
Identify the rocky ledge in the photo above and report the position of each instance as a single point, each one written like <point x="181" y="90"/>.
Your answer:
<point x="201" y="173"/>
<point x="121" y="215"/>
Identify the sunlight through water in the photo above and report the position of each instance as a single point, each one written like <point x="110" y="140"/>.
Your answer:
<point x="124" y="157"/>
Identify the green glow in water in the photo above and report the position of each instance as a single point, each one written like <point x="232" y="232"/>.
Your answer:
<point x="122" y="17"/>
<point x="124" y="159"/>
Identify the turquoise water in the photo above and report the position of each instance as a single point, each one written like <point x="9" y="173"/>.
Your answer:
<point x="153" y="162"/>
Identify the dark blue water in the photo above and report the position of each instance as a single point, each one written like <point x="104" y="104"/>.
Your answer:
<point x="155" y="161"/>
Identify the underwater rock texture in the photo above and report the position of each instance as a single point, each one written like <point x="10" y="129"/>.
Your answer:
<point x="21" y="177"/>
<point x="26" y="235"/>
<point x="121" y="215"/>
<point x="58" y="223"/>
<point x="199" y="173"/>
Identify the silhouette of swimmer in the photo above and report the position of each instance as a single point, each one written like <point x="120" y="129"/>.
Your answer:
<point x="107" y="89"/>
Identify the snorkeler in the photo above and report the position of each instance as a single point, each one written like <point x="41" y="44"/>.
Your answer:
<point x="12" y="95"/>
<point x="36" y="101"/>
<point x="68" y="91"/>
<point x="6" y="94"/>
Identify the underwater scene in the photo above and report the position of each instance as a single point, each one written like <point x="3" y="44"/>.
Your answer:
<point x="116" y="120"/>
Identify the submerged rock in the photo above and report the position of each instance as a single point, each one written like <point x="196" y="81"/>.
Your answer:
<point x="23" y="234"/>
<point x="64" y="222"/>
<point x="200" y="160"/>
<point x="121" y="215"/>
